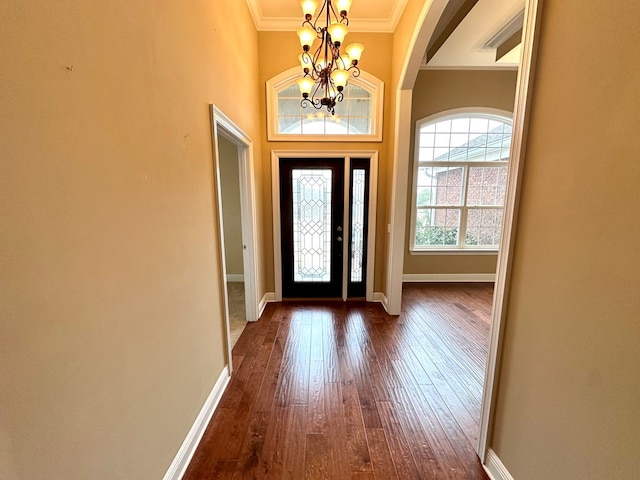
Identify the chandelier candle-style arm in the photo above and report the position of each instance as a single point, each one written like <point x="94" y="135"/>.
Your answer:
<point x="324" y="67"/>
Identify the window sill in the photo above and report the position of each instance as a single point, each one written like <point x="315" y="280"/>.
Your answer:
<point x="452" y="251"/>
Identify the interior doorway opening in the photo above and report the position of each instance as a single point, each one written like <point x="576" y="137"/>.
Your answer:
<point x="235" y="200"/>
<point x="229" y="160"/>
<point x="425" y="30"/>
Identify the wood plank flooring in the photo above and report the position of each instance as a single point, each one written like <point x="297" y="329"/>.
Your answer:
<point x="344" y="391"/>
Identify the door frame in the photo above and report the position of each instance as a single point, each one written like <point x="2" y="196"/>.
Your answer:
<point x="223" y="126"/>
<point x="276" y="155"/>
<point x="524" y="86"/>
<point x="425" y="27"/>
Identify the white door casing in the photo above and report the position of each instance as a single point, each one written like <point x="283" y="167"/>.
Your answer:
<point x="276" y="155"/>
<point x="221" y="125"/>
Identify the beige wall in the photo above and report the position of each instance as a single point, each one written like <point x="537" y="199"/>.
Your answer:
<point x="402" y="37"/>
<point x="436" y="91"/>
<point x="111" y="334"/>
<point x="231" y="212"/>
<point x="278" y="51"/>
<point x="569" y="395"/>
<point x="400" y="46"/>
<point x="404" y="43"/>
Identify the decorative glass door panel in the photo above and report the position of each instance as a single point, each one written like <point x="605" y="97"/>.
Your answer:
<point x="357" y="224"/>
<point x="311" y="208"/>
<point x="312" y="232"/>
<point x="359" y="221"/>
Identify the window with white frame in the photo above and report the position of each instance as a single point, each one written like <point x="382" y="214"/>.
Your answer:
<point x="460" y="181"/>
<point x="358" y="117"/>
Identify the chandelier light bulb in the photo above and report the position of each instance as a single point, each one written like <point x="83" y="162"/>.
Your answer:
<point x="305" y="84"/>
<point x="308" y="8"/>
<point x="337" y="32"/>
<point x="355" y="52"/>
<point x="340" y="78"/>
<point x="343" y="6"/>
<point x="306" y="35"/>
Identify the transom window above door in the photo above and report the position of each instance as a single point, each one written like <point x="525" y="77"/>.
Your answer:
<point x="358" y="117"/>
<point x="460" y="181"/>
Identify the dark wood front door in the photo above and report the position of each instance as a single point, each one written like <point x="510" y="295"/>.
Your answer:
<point x="312" y="211"/>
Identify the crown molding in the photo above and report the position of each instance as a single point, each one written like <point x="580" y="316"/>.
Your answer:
<point x="256" y="11"/>
<point x="289" y="24"/>
<point x="396" y="13"/>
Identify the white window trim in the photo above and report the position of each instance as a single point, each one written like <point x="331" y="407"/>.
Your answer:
<point x="503" y="116"/>
<point x="289" y="77"/>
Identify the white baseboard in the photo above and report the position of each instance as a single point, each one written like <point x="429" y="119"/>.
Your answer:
<point x="268" y="297"/>
<point x="188" y="448"/>
<point x="495" y="468"/>
<point x="448" y="277"/>
<point x="235" y="277"/>
<point x="382" y="298"/>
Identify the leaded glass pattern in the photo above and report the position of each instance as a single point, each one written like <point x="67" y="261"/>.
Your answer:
<point x="311" y="191"/>
<point x="357" y="224"/>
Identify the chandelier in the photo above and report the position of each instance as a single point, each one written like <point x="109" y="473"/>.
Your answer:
<point x="326" y="71"/>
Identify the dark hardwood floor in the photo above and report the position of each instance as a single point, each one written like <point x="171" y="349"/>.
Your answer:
<point x="345" y="391"/>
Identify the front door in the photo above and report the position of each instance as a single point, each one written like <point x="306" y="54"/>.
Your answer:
<point x="324" y="242"/>
<point x="312" y="211"/>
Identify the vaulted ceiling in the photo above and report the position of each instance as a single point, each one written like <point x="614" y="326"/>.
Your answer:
<point x="481" y="34"/>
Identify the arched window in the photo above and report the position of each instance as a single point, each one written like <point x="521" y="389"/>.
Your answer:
<point x="358" y="118"/>
<point x="460" y="180"/>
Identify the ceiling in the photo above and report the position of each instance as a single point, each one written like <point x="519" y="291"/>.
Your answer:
<point x="469" y="34"/>
<point x="477" y="38"/>
<point x="364" y="16"/>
